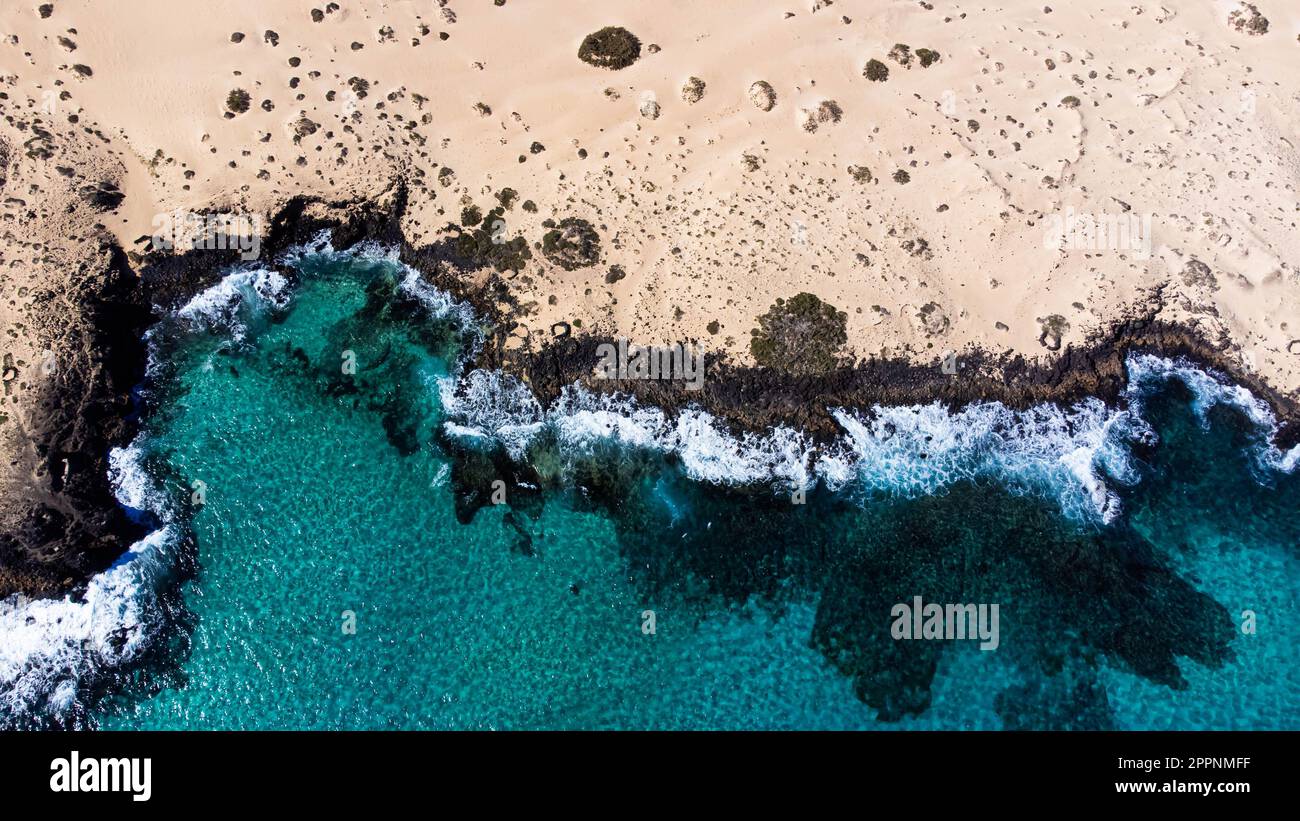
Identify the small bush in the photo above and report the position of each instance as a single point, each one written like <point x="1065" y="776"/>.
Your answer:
<point x="876" y="71"/>
<point x="238" y="101"/>
<point x="572" y="244"/>
<point x="763" y="95"/>
<point x="1053" y="328"/>
<point x="612" y="47"/>
<point x="482" y="242"/>
<point x="860" y="173"/>
<point x="693" y="90"/>
<point x="802" y="335"/>
<point x="901" y="54"/>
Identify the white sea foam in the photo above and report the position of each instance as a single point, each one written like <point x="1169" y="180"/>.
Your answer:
<point x="1210" y="388"/>
<point x="321" y="246"/>
<point x="437" y="304"/>
<point x="492" y="407"/>
<point x="907" y="451"/>
<point x="1075" y="455"/>
<point x="1069" y="453"/>
<point x="228" y="305"/>
<point x="132" y="486"/>
<point x="52" y="649"/>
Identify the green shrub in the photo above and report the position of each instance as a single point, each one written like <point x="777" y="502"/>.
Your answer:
<point x="612" y="47"/>
<point x="801" y="335"/>
<point x="238" y="101"/>
<point x="482" y="242"/>
<point x="572" y="244"/>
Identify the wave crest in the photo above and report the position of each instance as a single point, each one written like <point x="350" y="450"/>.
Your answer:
<point x="1210" y="388"/>
<point x="908" y="451"/>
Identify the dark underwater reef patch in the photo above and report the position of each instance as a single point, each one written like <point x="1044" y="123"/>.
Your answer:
<point x="1072" y="597"/>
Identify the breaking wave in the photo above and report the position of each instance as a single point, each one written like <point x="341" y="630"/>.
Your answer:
<point x="233" y="302"/>
<point x="906" y="451"/>
<point x="1075" y="455"/>
<point x="1210" y="388"/>
<point x="54" y="651"/>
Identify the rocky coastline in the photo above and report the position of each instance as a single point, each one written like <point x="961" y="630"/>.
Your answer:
<point x="74" y="528"/>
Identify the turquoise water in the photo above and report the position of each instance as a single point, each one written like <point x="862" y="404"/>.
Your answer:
<point x="325" y="496"/>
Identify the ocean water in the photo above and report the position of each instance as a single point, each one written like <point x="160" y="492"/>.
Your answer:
<point x="352" y="532"/>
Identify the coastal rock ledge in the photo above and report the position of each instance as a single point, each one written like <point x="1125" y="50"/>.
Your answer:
<point x="60" y="523"/>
